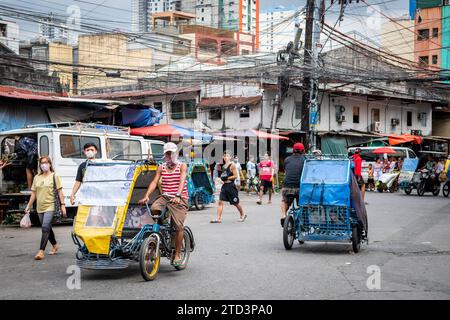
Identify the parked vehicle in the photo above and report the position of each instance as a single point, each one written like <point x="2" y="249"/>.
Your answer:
<point x="326" y="211"/>
<point x="409" y="178"/>
<point x="369" y="157"/>
<point x="64" y="142"/>
<point x="200" y="186"/>
<point x="111" y="228"/>
<point x="388" y="182"/>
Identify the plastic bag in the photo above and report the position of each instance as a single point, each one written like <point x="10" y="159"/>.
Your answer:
<point x="25" y="222"/>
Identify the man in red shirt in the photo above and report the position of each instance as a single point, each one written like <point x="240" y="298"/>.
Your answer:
<point x="357" y="160"/>
<point x="266" y="170"/>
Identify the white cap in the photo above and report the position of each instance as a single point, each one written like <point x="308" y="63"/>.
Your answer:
<point x="170" y="146"/>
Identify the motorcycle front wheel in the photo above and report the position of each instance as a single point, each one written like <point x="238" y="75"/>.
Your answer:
<point x="446" y="189"/>
<point x="421" y="188"/>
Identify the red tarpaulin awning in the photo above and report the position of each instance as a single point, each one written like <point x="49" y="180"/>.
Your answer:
<point x="404" y="138"/>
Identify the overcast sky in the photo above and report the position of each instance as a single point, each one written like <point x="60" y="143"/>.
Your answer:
<point x="117" y="13"/>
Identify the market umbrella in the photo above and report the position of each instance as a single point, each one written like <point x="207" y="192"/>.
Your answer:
<point x="171" y="130"/>
<point x="384" y="150"/>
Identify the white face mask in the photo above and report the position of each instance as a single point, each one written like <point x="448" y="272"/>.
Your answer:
<point x="90" y="154"/>
<point x="45" y="167"/>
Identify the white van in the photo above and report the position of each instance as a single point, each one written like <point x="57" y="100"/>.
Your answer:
<point x="368" y="157"/>
<point x="64" y="142"/>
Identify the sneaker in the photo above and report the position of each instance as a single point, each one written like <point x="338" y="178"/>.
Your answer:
<point x="259" y="202"/>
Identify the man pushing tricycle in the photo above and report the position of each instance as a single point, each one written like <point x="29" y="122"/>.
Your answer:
<point x="172" y="174"/>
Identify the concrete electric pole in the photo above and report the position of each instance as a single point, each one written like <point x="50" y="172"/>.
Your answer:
<point x="310" y="79"/>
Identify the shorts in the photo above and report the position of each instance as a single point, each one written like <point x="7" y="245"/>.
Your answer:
<point x="177" y="212"/>
<point x="230" y="193"/>
<point x="371" y="181"/>
<point x="289" y="194"/>
<point x="267" y="185"/>
<point x="32" y="162"/>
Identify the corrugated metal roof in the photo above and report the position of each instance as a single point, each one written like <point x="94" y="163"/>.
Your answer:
<point x="144" y="93"/>
<point x="23" y="94"/>
<point x="229" y="101"/>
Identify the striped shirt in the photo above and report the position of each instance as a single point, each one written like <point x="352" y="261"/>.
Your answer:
<point x="171" y="181"/>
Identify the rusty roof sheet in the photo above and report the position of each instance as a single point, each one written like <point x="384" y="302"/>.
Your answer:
<point x="220" y="102"/>
<point x="143" y="93"/>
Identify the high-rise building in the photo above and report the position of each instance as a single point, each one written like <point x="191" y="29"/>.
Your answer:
<point x="54" y="28"/>
<point x="236" y="15"/>
<point x="277" y="28"/>
<point x="139" y="19"/>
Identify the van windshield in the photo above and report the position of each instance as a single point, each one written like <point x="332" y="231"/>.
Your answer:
<point x="124" y="149"/>
<point x="157" y="150"/>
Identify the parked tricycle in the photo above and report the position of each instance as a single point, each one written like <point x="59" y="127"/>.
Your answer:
<point x="409" y="178"/>
<point x="200" y="186"/>
<point x="330" y="206"/>
<point x="111" y="228"/>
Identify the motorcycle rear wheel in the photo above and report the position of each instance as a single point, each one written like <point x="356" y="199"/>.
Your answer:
<point x="436" y="190"/>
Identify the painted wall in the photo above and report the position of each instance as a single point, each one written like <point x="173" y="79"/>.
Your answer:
<point x="398" y="38"/>
<point x="430" y="18"/>
<point x="62" y="53"/>
<point x="445" y="51"/>
<point x="110" y="51"/>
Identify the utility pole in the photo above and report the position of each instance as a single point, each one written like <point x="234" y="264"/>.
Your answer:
<point x="285" y="57"/>
<point x="309" y="66"/>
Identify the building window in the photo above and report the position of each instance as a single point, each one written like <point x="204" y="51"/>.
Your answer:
<point x="215" y="114"/>
<point x="244" y="112"/>
<point x="184" y="109"/>
<point x="423" y="34"/>
<point x="409" y="118"/>
<point x="3" y="28"/>
<point x="434" y="59"/>
<point x="158" y="106"/>
<point x="435" y="33"/>
<point x="355" y="114"/>
<point x="375" y="115"/>
<point x="298" y="110"/>
<point x="423" y="60"/>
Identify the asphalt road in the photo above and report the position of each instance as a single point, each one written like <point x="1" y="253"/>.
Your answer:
<point x="409" y="243"/>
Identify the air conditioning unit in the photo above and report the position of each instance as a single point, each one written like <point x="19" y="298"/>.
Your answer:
<point x="422" y="115"/>
<point x="395" y="122"/>
<point x="339" y="109"/>
<point x="376" y="126"/>
<point x="340" y="118"/>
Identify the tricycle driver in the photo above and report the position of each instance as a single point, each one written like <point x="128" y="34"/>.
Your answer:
<point x="174" y="194"/>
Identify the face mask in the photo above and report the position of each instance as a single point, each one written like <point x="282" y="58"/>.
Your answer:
<point x="171" y="159"/>
<point x="45" y="167"/>
<point x="90" y="154"/>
